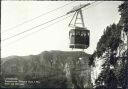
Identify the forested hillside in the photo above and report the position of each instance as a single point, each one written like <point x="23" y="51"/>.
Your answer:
<point x="113" y="52"/>
<point x="53" y="69"/>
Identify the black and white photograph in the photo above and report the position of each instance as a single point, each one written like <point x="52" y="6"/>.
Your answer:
<point x="68" y="44"/>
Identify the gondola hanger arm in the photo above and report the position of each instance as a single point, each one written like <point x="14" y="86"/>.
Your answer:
<point x="77" y="8"/>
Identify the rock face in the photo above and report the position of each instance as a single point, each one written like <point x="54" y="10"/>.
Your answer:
<point x="110" y="57"/>
<point x="56" y="69"/>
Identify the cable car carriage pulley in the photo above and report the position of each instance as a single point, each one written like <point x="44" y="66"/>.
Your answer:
<point x="79" y="36"/>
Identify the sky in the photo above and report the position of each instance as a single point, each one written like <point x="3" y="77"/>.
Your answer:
<point x="55" y="35"/>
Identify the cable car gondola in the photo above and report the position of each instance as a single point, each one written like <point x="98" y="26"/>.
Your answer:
<point x="79" y="36"/>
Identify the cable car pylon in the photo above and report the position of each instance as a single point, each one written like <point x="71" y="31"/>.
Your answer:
<point x="79" y="35"/>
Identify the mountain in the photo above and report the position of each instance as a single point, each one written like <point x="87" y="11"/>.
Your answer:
<point x="56" y="69"/>
<point x="111" y="55"/>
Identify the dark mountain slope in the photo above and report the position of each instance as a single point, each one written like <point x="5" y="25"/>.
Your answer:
<point x="51" y="68"/>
